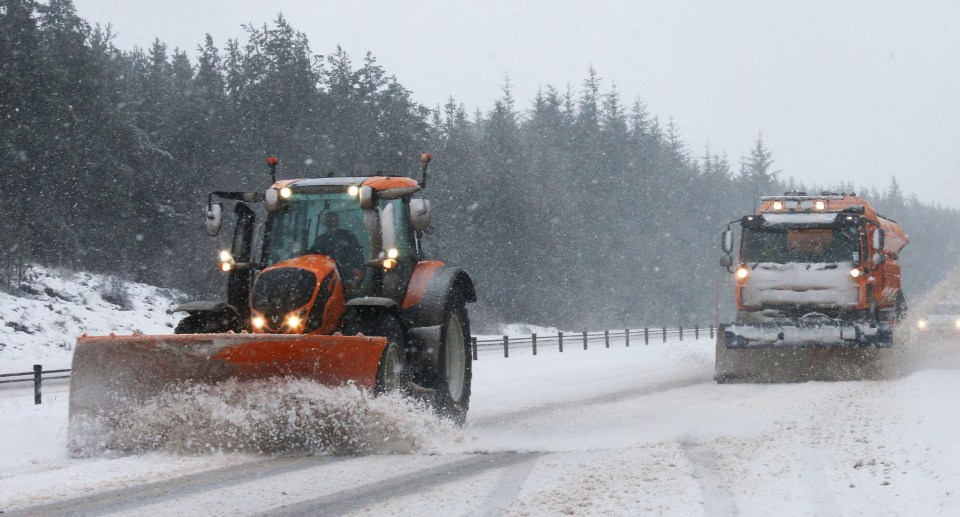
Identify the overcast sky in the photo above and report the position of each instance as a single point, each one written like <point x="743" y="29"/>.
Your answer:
<point x="857" y="91"/>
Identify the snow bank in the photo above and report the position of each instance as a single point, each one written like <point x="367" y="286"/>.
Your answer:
<point x="524" y="329"/>
<point x="39" y="322"/>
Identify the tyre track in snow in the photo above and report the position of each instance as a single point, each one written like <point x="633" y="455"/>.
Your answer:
<point x="201" y="482"/>
<point x="717" y="500"/>
<point x="607" y="398"/>
<point x="364" y="496"/>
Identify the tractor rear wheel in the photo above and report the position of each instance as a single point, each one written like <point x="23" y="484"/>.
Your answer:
<point x="455" y="372"/>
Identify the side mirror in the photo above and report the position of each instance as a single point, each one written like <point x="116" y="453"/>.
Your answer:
<point x="726" y="261"/>
<point x="214" y="218"/>
<point x="727" y="241"/>
<point x="366" y="197"/>
<point x="878" y="239"/>
<point x="420" y="214"/>
<point x="271" y="200"/>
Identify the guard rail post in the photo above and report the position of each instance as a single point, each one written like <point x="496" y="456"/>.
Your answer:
<point x="626" y="336"/>
<point x="533" y="340"/>
<point x="664" y="334"/>
<point x="37" y="380"/>
<point x="560" y="340"/>
<point x="646" y="336"/>
<point x="473" y="341"/>
<point x="506" y="346"/>
<point x="584" y="339"/>
<point x="606" y="338"/>
<point x="696" y="332"/>
<point x="711" y="331"/>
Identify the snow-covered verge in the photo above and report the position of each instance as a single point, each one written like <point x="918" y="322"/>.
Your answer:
<point x="41" y="319"/>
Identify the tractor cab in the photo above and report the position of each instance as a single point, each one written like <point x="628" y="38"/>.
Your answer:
<point x="355" y="237"/>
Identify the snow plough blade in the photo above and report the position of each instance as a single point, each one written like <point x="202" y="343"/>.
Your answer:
<point x="800" y="352"/>
<point x="110" y="373"/>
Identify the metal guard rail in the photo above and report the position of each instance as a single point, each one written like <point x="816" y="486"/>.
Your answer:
<point x="646" y="335"/>
<point x="36" y="377"/>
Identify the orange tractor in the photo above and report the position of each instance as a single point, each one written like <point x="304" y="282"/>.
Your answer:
<point x="334" y="286"/>
<point x="817" y="289"/>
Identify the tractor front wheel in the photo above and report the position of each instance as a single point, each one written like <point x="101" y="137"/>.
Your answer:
<point x="375" y="323"/>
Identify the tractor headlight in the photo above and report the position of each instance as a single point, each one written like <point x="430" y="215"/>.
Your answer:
<point x="922" y="324"/>
<point x="226" y="267"/>
<point x="285" y="192"/>
<point x="294" y="321"/>
<point x="353" y="191"/>
<point x="393" y="253"/>
<point x="258" y="322"/>
<point x="742" y="272"/>
<point x="389" y="263"/>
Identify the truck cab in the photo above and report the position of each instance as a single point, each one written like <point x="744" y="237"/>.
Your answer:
<point x="827" y="258"/>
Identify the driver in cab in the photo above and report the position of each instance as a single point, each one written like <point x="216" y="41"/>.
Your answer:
<point x="342" y="246"/>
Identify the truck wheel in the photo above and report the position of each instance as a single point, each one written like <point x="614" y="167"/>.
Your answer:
<point x="453" y="380"/>
<point x="376" y="323"/>
<point x="901" y="308"/>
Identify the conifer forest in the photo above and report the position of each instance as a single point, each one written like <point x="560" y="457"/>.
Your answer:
<point x="582" y="205"/>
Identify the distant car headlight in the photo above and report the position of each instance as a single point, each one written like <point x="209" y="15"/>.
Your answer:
<point x="922" y="324"/>
<point x="957" y="324"/>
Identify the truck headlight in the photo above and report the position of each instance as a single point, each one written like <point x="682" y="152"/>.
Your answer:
<point x="742" y="272"/>
<point x="855" y="273"/>
<point x="226" y="261"/>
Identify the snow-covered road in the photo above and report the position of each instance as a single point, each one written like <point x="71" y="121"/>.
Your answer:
<point x="639" y="430"/>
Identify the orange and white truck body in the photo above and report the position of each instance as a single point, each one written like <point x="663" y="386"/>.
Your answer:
<point x="816" y="271"/>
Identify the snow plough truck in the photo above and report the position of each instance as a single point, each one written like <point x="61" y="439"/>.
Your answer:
<point x="817" y="288"/>
<point x="333" y="285"/>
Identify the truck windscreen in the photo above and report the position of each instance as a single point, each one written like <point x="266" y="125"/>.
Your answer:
<point x="809" y="245"/>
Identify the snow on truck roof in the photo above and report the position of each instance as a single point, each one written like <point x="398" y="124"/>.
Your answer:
<point x="790" y="208"/>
